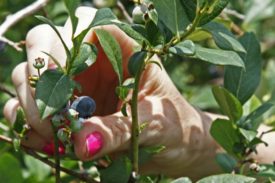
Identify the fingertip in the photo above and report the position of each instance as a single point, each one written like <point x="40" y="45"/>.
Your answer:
<point x="102" y="135"/>
<point x="10" y="109"/>
<point x="19" y="74"/>
<point x="94" y="143"/>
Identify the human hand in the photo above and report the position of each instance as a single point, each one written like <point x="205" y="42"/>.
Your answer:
<point x="172" y="122"/>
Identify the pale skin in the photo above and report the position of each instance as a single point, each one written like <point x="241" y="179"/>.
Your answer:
<point x="172" y="121"/>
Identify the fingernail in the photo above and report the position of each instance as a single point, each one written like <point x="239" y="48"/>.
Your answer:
<point x="49" y="149"/>
<point x="94" y="143"/>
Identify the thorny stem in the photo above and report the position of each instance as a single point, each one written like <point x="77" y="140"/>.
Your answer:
<point x="134" y="112"/>
<point x="81" y="176"/>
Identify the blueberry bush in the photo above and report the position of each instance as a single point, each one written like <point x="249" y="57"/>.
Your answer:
<point x="219" y="54"/>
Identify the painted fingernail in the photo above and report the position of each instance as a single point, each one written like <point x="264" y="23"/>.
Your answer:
<point x="49" y="149"/>
<point x="94" y="143"/>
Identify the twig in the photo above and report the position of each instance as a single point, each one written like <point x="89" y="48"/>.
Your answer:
<point x="14" y="18"/>
<point x="15" y="45"/>
<point x="234" y="13"/>
<point x="236" y="29"/>
<point x="7" y="91"/>
<point x="121" y="7"/>
<point x="34" y="154"/>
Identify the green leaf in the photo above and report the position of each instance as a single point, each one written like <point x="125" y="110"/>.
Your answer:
<point x="153" y="14"/>
<point x="118" y="172"/>
<point x="249" y="135"/>
<point x="177" y="20"/>
<point x="136" y="61"/>
<point x="53" y="91"/>
<point x="227" y="162"/>
<point x="214" y="10"/>
<point x="124" y="110"/>
<point x="123" y="90"/>
<point x="229" y="104"/>
<point x="190" y="7"/>
<point x="227" y="178"/>
<point x="10" y="170"/>
<point x="112" y="50"/>
<point x="184" y="48"/>
<point x="225" y="133"/>
<point x="71" y="7"/>
<point x="85" y="58"/>
<point x="219" y="57"/>
<point x="50" y="23"/>
<point x="37" y="168"/>
<point x="103" y="16"/>
<point x="153" y="34"/>
<point x="223" y="38"/>
<point x="127" y="29"/>
<point x="146" y="153"/>
<point x="182" y="180"/>
<point x="267" y="170"/>
<point x="20" y="120"/>
<point x="252" y="118"/>
<point x="243" y="83"/>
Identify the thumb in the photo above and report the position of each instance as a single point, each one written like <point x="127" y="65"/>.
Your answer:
<point x="102" y="135"/>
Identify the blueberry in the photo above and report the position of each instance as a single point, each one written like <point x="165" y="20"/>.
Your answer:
<point x="85" y="106"/>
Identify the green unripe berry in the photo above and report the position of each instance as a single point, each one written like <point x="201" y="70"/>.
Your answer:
<point x="39" y="63"/>
<point x="138" y="14"/>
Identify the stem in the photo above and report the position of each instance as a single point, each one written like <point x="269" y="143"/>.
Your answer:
<point x="134" y="112"/>
<point x="56" y="156"/>
<point x="7" y="91"/>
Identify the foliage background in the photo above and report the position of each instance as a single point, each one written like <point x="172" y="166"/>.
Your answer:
<point x="193" y="79"/>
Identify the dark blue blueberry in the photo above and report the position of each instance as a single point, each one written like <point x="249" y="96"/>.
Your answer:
<point x="85" y="106"/>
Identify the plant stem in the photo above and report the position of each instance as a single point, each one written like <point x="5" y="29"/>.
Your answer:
<point x="56" y="156"/>
<point x="4" y="89"/>
<point x="134" y="112"/>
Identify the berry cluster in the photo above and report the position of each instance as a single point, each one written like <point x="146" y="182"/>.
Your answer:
<point x="70" y="120"/>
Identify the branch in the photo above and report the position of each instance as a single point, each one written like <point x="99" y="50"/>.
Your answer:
<point x="234" y="13"/>
<point x="81" y="176"/>
<point x="14" y="18"/>
<point x="7" y="91"/>
<point x="11" y="43"/>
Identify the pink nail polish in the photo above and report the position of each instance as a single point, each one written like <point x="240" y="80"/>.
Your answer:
<point x="94" y="143"/>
